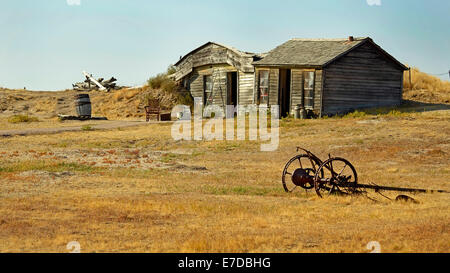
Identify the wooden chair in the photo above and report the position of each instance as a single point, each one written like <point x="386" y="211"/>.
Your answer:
<point x="153" y="108"/>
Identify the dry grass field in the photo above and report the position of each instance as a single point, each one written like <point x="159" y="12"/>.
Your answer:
<point x="425" y="88"/>
<point x="117" y="104"/>
<point x="138" y="190"/>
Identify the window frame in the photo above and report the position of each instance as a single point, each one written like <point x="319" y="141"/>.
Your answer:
<point x="206" y="93"/>
<point x="263" y="97"/>
<point x="309" y="92"/>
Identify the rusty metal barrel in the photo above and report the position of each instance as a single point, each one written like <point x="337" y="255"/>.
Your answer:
<point x="83" y="105"/>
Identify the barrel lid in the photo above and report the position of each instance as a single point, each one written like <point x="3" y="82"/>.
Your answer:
<point x="81" y="96"/>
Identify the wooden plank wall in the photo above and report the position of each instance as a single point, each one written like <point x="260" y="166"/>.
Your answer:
<point x="245" y="89"/>
<point x="296" y="87"/>
<point x="317" y="91"/>
<point x="196" y="84"/>
<point x="220" y="87"/>
<point x="219" y="75"/>
<point x="364" y="78"/>
<point x="214" y="54"/>
<point x="273" y="86"/>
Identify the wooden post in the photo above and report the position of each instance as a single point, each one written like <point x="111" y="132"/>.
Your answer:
<point x="410" y="81"/>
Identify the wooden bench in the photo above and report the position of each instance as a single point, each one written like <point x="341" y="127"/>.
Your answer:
<point x="153" y="108"/>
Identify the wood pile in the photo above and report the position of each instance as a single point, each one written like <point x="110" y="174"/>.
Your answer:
<point x="89" y="84"/>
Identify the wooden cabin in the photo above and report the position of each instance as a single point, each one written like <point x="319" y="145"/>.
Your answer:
<point x="325" y="76"/>
<point x="219" y="74"/>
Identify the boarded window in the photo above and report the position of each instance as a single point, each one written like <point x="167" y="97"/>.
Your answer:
<point x="308" y="89"/>
<point x="186" y="84"/>
<point x="263" y="87"/>
<point x="207" y="87"/>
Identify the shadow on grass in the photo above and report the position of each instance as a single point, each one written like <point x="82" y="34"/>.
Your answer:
<point x="407" y="107"/>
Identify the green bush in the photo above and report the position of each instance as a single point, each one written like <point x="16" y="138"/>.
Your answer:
<point x="355" y="114"/>
<point x="171" y="70"/>
<point x="163" y="82"/>
<point x="185" y="98"/>
<point x="87" y="128"/>
<point x="168" y="86"/>
<point x="22" y="119"/>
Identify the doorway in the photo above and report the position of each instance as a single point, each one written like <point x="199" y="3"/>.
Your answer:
<point x="232" y="88"/>
<point x="285" y="92"/>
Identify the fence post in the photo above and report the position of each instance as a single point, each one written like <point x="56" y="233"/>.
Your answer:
<point x="410" y="81"/>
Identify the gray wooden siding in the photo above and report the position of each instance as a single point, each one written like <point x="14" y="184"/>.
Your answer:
<point x="363" y="78"/>
<point x="296" y="87"/>
<point x="220" y="88"/>
<point x="245" y="90"/>
<point x="273" y="86"/>
<point x="317" y="91"/>
<point x="196" y="84"/>
<point x="214" y="54"/>
<point x="219" y="77"/>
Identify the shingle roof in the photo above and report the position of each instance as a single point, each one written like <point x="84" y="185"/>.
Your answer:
<point x="309" y="52"/>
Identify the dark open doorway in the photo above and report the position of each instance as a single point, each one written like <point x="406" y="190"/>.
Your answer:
<point x="285" y="92"/>
<point x="232" y="88"/>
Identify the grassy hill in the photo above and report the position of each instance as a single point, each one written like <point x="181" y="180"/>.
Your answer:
<point x="425" y="88"/>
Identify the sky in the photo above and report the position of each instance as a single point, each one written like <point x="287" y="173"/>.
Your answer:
<point x="46" y="44"/>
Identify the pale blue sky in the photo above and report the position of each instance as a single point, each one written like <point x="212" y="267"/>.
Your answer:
<point x="45" y="44"/>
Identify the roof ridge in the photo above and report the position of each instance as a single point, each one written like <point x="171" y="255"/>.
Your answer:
<point x="233" y="48"/>
<point x="327" y="39"/>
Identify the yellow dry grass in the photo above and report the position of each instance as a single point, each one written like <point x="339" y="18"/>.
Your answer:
<point x="425" y="88"/>
<point x="116" y="104"/>
<point x="237" y="204"/>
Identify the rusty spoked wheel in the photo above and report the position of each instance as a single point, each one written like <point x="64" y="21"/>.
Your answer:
<point x="300" y="172"/>
<point x="339" y="177"/>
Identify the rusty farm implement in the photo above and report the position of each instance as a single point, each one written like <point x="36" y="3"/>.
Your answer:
<point x="334" y="176"/>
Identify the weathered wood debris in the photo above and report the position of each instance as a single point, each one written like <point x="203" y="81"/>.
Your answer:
<point x="96" y="84"/>
<point x="69" y="117"/>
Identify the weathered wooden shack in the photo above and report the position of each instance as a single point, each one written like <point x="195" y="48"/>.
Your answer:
<point x="219" y="74"/>
<point x="325" y="76"/>
<point x="329" y="76"/>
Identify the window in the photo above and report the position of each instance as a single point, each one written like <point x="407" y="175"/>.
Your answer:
<point x="263" y="88"/>
<point x="186" y="84"/>
<point x="308" y="89"/>
<point x="207" y="88"/>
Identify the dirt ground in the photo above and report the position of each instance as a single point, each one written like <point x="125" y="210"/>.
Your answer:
<point x="137" y="190"/>
<point x="50" y="127"/>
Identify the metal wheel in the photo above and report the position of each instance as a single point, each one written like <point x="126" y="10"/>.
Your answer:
<point x="339" y="177"/>
<point x="300" y="172"/>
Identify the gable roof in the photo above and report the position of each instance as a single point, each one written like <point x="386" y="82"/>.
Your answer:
<point x="239" y="52"/>
<point x="214" y="53"/>
<point x="315" y="52"/>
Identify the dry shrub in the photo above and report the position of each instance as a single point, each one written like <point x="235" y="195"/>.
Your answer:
<point x="421" y="80"/>
<point x="117" y="96"/>
<point x="425" y="88"/>
<point x="22" y="119"/>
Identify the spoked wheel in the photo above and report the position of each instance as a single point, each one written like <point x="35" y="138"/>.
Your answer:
<point x="300" y="172"/>
<point x="339" y="177"/>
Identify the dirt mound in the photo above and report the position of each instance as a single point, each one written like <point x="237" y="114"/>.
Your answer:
<point x="129" y="103"/>
<point x="427" y="96"/>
